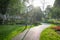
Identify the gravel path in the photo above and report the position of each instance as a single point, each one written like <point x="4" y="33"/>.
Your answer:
<point x="32" y="34"/>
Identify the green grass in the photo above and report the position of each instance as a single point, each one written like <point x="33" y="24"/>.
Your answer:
<point x="49" y="34"/>
<point x="9" y="31"/>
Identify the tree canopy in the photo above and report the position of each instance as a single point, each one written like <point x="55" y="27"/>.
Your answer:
<point x="3" y="6"/>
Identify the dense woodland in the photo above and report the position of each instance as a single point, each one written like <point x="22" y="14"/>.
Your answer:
<point x="16" y="12"/>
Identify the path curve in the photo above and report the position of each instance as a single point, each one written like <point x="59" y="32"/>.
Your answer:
<point x="33" y="34"/>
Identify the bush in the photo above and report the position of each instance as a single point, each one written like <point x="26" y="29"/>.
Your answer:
<point x="36" y="23"/>
<point x="49" y="34"/>
<point x="20" y="22"/>
<point x="53" y="21"/>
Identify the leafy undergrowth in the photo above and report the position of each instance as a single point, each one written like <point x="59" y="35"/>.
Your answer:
<point x="49" y="34"/>
<point x="9" y="31"/>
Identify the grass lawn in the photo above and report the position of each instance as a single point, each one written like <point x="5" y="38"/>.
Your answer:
<point x="49" y="34"/>
<point x="9" y="31"/>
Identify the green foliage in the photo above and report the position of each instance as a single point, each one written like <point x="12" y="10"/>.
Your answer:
<point x="16" y="7"/>
<point x="56" y="13"/>
<point x="11" y="7"/>
<point x="14" y="33"/>
<point x="20" y="22"/>
<point x="53" y="21"/>
<point x="57" y="3"/>
<point x="48" y="11"/>
<point x="3" y="6"/>
<point x="35" y="15"/>
<point x="37" y="23"/>
<point x="7" y="32"/>
<point x="49" y="34"/>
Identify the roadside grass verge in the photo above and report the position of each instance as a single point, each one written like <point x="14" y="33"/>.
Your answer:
<point x="9" y="31"/>
<point x="49" y="34"/>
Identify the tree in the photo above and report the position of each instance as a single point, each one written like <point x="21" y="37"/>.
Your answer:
<point x="57" y="3"/>
<point x="56" y="13"/>
<point x="56" y="10"/>
<point x="48" y="12"/>
<point x="3" y="8"/>
<point x="35" y="15"/>
<point x="11" y="7"/>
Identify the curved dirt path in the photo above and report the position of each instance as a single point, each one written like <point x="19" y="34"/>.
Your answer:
<point x="32" y="34"/>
